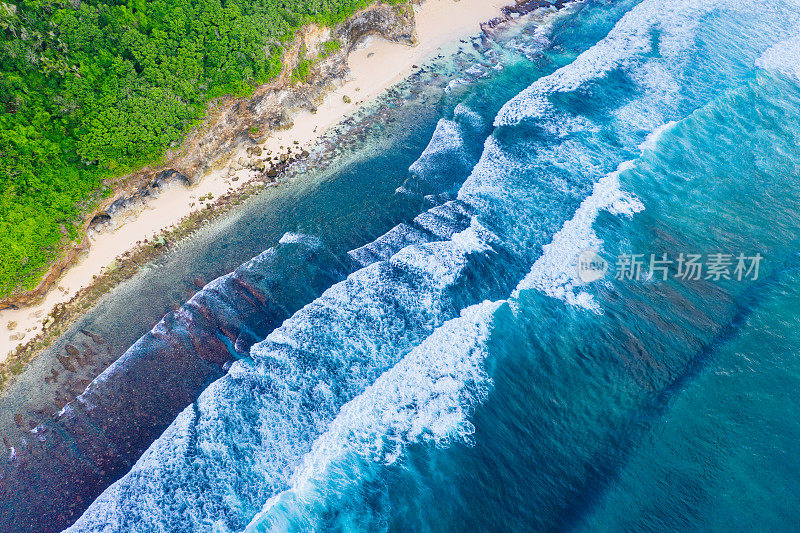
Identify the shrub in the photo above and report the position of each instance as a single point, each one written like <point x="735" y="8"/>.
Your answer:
<point x="98" y="90"/>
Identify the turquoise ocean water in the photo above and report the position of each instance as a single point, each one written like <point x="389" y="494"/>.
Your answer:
<point x="464" y="377"/>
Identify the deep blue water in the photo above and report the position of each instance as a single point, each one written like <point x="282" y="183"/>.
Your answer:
<point x="462" y="376"/>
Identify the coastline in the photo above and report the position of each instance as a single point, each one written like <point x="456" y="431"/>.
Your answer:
<point x="120" y="364"/>
<point x="115" y="255"/>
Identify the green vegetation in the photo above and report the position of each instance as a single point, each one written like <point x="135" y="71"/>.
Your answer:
<point x="303" y="68"/>
<point x="94" y="89"/>
<point x="329" y="47"/>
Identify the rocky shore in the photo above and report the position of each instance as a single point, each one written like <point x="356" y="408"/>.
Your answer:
<point x="235" y="123"/>
<point x="112" y="437"/>
<point x="227" y="143"/>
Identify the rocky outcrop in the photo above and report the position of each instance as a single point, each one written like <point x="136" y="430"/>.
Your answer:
<point x="393" y="23"/>
<point x="233" y="122"/>
<point x="520" y="8"/>
<point x="169" y="175"/>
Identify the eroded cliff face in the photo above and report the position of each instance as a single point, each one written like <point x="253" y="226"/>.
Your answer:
<point x="393" y="23"/>
<point x="272" y="106"/>
<point x="98" y="444"/>
<point x="233" y="123"/>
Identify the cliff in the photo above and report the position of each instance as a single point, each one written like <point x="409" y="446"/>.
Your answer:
<point x="231" y="123"/>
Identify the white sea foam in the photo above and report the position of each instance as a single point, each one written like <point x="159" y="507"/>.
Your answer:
<point x="783" y="57"/>
<point x="446" y="158"/>
<point x="657" y="80"/>
<point x="294" y="238"/>
<point x="246" y="438"/>
<point x="628" y="41"/>
<point x="555" y="272"/>
<point x="238" y="445"/>
<point x="426" y="397"/>
<point x="487" y="177"/>
<point x="387" y="245"/>
<point x="447" y="140"/>
<point x="464" y="115"/>
<point x="652" y="139"/>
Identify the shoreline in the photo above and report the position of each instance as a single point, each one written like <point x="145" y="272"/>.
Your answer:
<point x="374" y="66"/>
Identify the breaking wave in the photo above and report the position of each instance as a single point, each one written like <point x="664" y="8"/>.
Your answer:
<point x="395" y="354"/>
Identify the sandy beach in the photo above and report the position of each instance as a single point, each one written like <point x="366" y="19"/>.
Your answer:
<point x="374" y="66"/>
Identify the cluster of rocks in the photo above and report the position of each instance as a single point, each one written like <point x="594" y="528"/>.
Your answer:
<point x="271" y="106"/>
<point x="72" y="356"/>
<point x="75" y="362"/>
<point x="522" y="7"/>
<point x="268" y="164"/>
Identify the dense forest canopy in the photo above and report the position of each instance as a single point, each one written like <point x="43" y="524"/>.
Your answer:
<point x="93" y="89"/>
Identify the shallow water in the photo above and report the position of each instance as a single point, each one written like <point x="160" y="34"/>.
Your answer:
<point x="459" y="374"/>
<point x="356" y="186"/>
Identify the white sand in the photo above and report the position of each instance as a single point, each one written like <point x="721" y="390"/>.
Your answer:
<point x="373" y="67"/>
